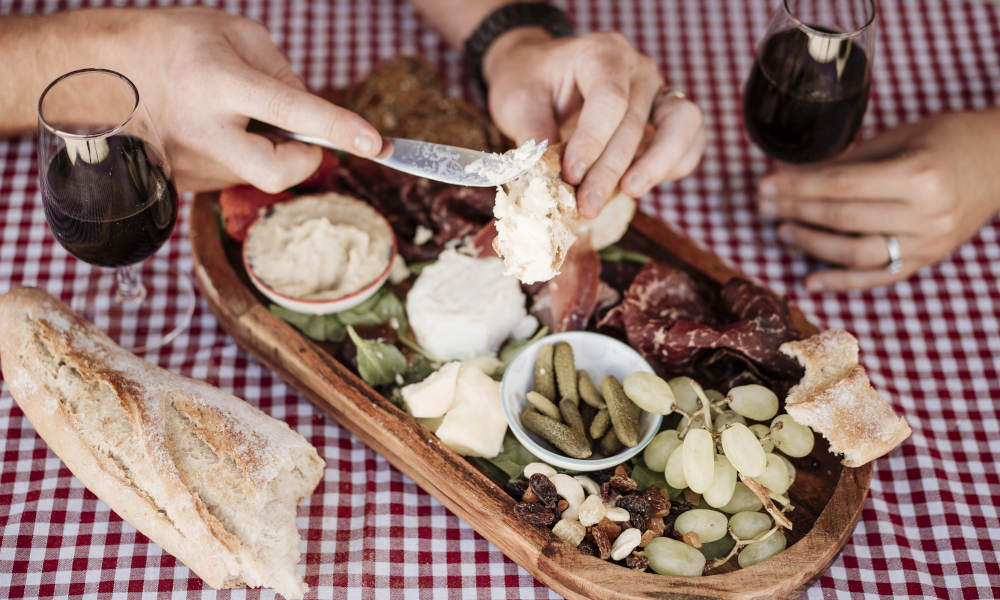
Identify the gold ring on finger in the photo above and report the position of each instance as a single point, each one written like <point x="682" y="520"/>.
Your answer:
<point x="661" y="96"/>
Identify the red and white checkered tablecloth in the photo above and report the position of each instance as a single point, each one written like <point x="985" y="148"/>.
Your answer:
<point x="932" y="344"/>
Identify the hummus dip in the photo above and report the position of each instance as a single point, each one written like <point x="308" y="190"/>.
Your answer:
<point x="319" y="247"/>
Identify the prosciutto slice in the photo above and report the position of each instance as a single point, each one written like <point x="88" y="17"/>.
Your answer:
<point x="681" y="327"/>
<point x="570" y="298"/>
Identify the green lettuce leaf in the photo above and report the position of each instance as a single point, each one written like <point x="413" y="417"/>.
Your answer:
<point x="378" y="363"/>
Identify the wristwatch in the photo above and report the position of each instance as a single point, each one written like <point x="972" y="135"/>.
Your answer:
<point x="507" y="17"/>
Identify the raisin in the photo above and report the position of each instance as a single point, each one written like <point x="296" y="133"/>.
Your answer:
<point x="659" y="504"/>
<point x="623" y="483"/>
<point x="634" y="504"/>
<point x="534" y="513"/>
<point x="544" y="489"/>
<point x="600" y="477"/>
<point x="608" y="493"/>
<point x="623" y="470"/>
<point x="602" y="542"/>
<point x="516" y="489"/>
<point x="678" y="508"/>
<point x="562" y="505"/>
<point x="637" y="561"/>
<point x="610" y="529"/>
<point x="587" y="547"/>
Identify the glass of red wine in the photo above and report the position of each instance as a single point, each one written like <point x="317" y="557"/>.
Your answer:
<point x="110" y="201"/>
<point x="808" y="90"/>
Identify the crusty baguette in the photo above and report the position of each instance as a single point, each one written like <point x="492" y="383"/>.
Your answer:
<point x="537" y="220"/>
<point x="836" y="399"/>
<point x="211" y="479"/>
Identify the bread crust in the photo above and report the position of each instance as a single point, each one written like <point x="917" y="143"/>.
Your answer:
<point x="134" y="460"/>
<point x="836" y="399"/>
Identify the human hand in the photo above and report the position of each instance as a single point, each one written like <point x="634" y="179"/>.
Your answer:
<point x="203" y="74"/>
<point x="932" y="184"/>
<point x="537" y="84"/>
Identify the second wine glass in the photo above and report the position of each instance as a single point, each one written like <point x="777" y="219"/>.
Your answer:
<point x="807" y="93"/>
<point x="110" y="201"/>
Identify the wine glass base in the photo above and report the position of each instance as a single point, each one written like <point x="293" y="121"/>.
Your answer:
<point x="164" y="312"/>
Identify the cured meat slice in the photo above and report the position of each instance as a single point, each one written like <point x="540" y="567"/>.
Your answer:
<point x="569" y="299"/>
<point x="682" y="328"/>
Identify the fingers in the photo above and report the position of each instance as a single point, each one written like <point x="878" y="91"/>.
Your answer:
<point x="253" y="44"/>
<point x="603" y="177"/>
<point x="834" y="180"/>
<point x="866" y="256"/>
<point x="262" y="97"/>
<point x="849" y="216"/>
<point x="526" y="115"/>
<point x="603" y="79"/>
<point x="263" y="164"/>
<point x="676" y="149"/>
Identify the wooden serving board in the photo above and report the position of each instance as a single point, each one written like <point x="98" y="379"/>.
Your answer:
<point x="827" y="497"/>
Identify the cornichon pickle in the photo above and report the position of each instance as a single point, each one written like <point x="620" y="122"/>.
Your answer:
<point x="588" y="391"/>
<point x="565" y="369"/>
<point x="561" y="436"/>
<point x="572" y="417"/>
<point x="609" y="444"/>
<point x="543" y="405"/>
<point x="599" y="426"/>
<point x="623" y="412"/>
<point x="545" y="376"/>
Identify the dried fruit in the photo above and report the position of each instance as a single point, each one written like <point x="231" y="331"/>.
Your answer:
<point x="543" y="487"/>
<point x="609" y="528"/>
<point x="659" y="501"/>
<point x="636" y="561"/>
<point x="562" y="505"/>
<point x="528" y="495"/>
<point x="516" y="489"/>
<point x="588" y="391"/>
<point x="602" y="541"/>
<point x="691" y="539"/>
<point x="609" y="493"/>
<point x="587" y="547"/>
<point x="565" y="369"/>
<point x="545" y="376"/>
<point x="623" y="483"/>
<point x="534" y="513"/>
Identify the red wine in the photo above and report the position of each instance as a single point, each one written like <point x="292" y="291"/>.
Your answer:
<point x="114" y="212"/>
<point x="798" y="109"/>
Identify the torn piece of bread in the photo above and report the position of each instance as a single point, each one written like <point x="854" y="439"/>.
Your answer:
<point x="836" y="399"/>
<point x="536" y="218"/>
<point x="211" y="479"/>
<point x="537" y="221"/>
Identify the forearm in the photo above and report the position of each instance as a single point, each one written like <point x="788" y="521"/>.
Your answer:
<point x="37" y="49"/>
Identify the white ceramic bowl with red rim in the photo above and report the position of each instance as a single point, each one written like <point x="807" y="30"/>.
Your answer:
<point x="597" y="354"/>
<point x="326" y="305"/>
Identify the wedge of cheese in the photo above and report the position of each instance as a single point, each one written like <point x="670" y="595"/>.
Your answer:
<point x="475" y="424"/>
<point x="433" y="396"/>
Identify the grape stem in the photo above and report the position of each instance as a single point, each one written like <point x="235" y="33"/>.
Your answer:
<point x="706" y="405"/>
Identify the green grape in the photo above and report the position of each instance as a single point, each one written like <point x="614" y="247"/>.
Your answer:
<point x="649" y="392"/>
<point x="747" y="525"/>
<point x="659" y="448"/>
<point x="753" y="402"/>
<point x="684" y="394"/>
<point x="721" y="491"/>
<point x="671" y="557"/>
<point x="790" y="468"/>
<point x="743" y="500"/>
<point x="762" y="550"/>
<point x="760" y="430"/>
<point x="775" y="475"/>
<point x="708" y="525"/>
<point x="790" y="437"/>
<point x="743" y="449"/>
<point x="674" y="471"/>
<point x="699" y="459"/>
<point x="727" y="417"/>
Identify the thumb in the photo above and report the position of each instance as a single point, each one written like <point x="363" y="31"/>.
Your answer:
<point x="525" y="118"/>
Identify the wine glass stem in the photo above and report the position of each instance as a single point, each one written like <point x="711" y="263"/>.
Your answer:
<point x="130" y="289"/>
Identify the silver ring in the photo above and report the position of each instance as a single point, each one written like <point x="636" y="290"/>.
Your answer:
<point x="661" y="96"/>
<point x="895" y="264"/>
